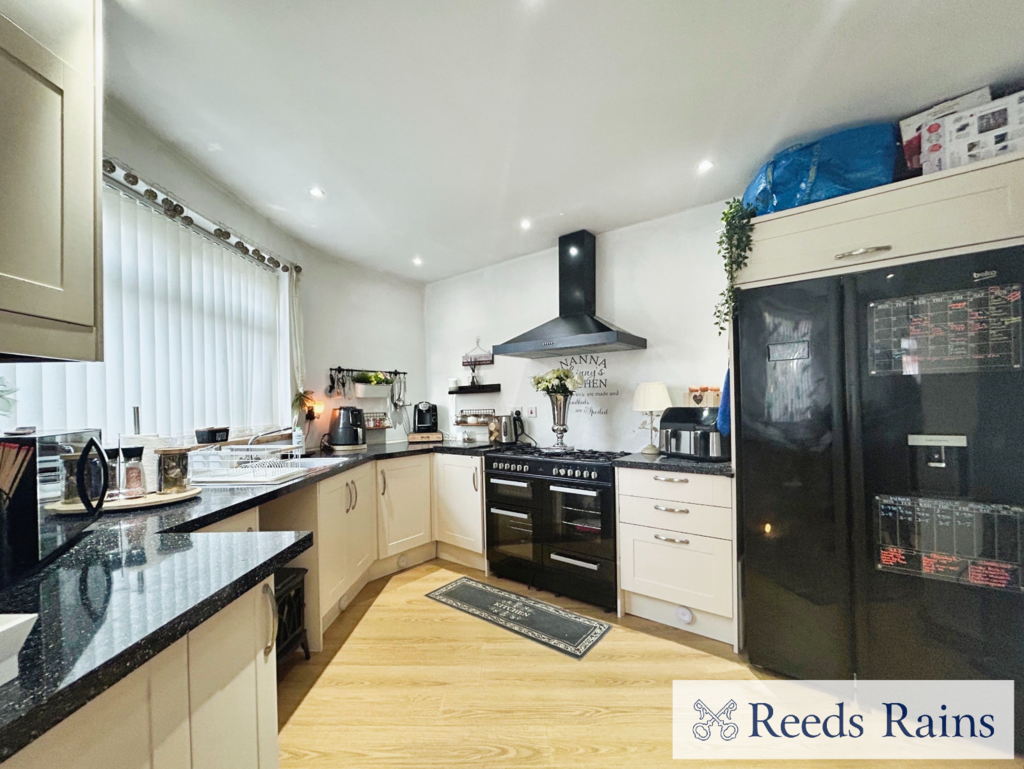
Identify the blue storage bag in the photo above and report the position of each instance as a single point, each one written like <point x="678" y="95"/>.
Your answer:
<point x="840" y="163"/>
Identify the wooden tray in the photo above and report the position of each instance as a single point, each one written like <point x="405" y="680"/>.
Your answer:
<point x="125" y="505"/>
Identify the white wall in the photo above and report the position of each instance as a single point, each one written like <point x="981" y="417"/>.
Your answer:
<point x="659" y="280"/>
<point x="352" y="316"/>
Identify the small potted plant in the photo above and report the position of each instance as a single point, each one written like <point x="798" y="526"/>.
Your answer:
<point x="372" y="384"/>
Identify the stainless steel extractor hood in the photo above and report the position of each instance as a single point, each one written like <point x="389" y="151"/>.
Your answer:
<point x="577" y="330"/>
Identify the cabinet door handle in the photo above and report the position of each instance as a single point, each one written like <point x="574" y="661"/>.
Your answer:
<point x="475" y="487"/>
<point x="355" y="488"/>
<point x="348" y="492"/>
<point x="268" y="591"/>
<point x="574" y="562"/>
<point x="671" y="509"/>
<point x="670" y="539"/>
<point x="384" y="483"/>
<point x="671" y="480"/>
<point x="863" y="251"/>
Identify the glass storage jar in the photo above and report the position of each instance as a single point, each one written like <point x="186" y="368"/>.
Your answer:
<point x="133" y="485"/>
<point x="173" y="473"/>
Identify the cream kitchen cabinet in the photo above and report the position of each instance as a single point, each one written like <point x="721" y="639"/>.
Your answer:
<point x="973" y="207"/>
<point x="50" y="131"/>
<point x="141" y="722"/>
<point x="403" y="486"/>
<point x="232" y="684"/>
<point x="676" y="535"/>
<point x="347" y="532"/>
<point x="459" y="501"/>
<point x="245" y="521"/>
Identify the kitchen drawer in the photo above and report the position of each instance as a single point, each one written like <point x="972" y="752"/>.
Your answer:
<point x="961" y="208"/>
<point x="676" y="516"/>
<point x="695" y="571"/>
<point x="568" y="563"/>
<point x="712" y="490"/>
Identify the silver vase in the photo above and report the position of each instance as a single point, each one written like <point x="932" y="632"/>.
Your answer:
<point x="559" y="411"/>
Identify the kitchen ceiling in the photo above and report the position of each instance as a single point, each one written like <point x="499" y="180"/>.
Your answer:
<point x="434" y="127"/>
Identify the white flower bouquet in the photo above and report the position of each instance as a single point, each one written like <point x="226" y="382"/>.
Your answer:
<point x="558" y="381"/>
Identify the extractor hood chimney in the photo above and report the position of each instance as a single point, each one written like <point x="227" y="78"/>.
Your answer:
<point x="577" y="330"/>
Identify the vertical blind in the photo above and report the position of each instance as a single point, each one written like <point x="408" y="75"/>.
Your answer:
<point x="193" y="334"/>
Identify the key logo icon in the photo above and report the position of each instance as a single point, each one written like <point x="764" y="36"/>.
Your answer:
<point x="722" y="719"/>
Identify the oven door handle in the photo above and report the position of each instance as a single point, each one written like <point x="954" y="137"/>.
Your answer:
<point x="574" y="562"/>
<point x="503" y="482"/>
<point x="581" y="492"/>
<point x="510" y="514"/>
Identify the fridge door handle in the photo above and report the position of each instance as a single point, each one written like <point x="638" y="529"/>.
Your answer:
<point x="863" y="251"/>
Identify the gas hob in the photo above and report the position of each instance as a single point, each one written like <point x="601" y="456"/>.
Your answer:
<point x="582" y="465"/>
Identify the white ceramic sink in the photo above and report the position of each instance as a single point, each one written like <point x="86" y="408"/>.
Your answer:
<point x="313" y="462"/>
<point x="14" y="629"/>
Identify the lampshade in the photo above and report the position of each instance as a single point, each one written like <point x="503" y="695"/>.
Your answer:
<point x="651" y="396"/>
<point x="318" y="407"/>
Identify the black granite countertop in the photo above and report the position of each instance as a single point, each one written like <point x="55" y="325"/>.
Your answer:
<point x="674" y="464"/>
<point x="115" y="601"/>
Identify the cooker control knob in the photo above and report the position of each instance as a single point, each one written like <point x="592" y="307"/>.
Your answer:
<point x="520" y="468"/>
<point x="554" y="471"/>
<point x="578" y="473"/>
<point x="526" y="468"/>
<point x="561" y="472"/>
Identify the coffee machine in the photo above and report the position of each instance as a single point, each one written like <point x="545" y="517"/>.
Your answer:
<point x="346" y="427"/>
<point x="424" y="418"/>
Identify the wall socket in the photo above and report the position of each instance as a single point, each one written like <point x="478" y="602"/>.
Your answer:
<point x="531" y="412"/>
<point x="514" y="409"/>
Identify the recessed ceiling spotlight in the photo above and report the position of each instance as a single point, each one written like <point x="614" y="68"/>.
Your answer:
<point x="525" y="224"/>
<point x="705" y="166"/>
<point x="417" y="260"/>
<point x="318" y="193"/>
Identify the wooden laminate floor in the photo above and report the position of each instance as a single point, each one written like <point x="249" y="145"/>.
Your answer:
<point x="405" y="681"/>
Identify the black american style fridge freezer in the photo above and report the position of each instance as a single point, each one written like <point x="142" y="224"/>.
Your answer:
<point x="880" y="472"/>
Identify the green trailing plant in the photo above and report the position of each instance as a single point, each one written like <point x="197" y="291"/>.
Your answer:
<point x="734" y="244"/>
<point x="303" y="401"/>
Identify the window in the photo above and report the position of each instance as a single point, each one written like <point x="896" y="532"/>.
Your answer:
<point x="193" y="334"/>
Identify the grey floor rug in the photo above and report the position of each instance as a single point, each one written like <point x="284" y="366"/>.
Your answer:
<point x="566" y="631"/>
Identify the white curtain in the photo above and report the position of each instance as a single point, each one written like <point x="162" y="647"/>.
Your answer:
<point x="193" y="334"/>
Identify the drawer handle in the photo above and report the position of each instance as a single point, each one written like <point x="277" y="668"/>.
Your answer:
<point x="510" y="514"/>
<point x="864" y="251"/>
<point x="671" y="480"/>
<point x="671" y="509"/>
<point x="574" y="562"/>
<point x="502" y="482"/>
<point x="580" y="492"/>
<point x="670" y="539"/>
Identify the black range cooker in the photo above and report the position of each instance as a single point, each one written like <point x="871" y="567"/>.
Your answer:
<point x="551" y="520"/>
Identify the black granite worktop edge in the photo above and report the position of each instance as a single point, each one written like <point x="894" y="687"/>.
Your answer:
<point x="674" y="464"/>
<point x="30" y="714"/>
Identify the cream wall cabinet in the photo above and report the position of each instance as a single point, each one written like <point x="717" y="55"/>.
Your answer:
<point x="966" y="207"/>
<point x="403" y="486"/>
<point x="141" y="722"/>
<point x="50" y="121"/>
<point x="459" y="501"/>
<point x="232" y="681"/>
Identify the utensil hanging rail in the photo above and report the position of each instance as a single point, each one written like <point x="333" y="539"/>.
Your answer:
<point x="338" y="373"/>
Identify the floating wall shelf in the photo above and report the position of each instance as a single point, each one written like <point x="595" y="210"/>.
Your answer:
<point x="475" y="389"/>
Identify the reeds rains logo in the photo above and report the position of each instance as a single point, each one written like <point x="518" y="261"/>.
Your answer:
<point x="767" y="719"/>
<point x="722" y="719"/>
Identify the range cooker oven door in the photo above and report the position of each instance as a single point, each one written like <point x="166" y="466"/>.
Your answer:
<point x="582" y="518"/>
<point x="513" y="491"/>
<point x="510" y="534"/>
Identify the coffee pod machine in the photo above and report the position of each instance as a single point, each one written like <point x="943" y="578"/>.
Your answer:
<point x="692" y="433"/>
<point x="424" y="418"/>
